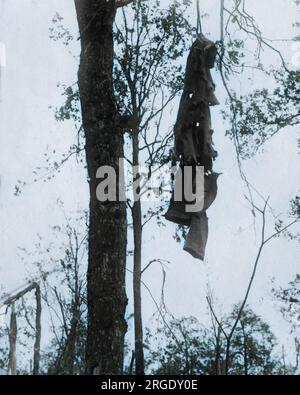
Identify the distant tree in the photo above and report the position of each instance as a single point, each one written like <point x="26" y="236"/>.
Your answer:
<point x="59" y="265"/>
<point x="63" y="274"/>
<point x="289" y="302"/>
<point x="256" y="116"/>
<point x="185" y="347"/>
<point x="253" y="347"/>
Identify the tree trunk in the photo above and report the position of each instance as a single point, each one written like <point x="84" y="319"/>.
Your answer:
<point x="37" y="343"/>
<point x="107" y="228"/>
<point x="66" y="361"/>
<point x="137" y="269"/>
<point x="13" y="329"/>
<point x="245" y="349"/>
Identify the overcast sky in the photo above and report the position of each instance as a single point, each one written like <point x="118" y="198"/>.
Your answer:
<point x="34" y="66"/>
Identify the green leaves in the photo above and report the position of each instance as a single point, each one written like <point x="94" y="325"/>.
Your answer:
<point x="150" y="42"/>
<point x="70" y="108"/>
<point x="263" y="113"/>
<point x="185" y="347"/>
<point x="58" y="32"/>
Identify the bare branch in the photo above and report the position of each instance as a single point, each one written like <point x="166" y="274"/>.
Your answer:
<point x="216" y="318"/>
<point x="160" y="312"/>
<point x="13" y="298"/>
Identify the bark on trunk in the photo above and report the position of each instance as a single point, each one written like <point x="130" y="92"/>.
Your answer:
<point x="70" y="352"/>
<point x="246" y="367"/>
<point x="107" y="229"/>
<point x="137" y="270"/>
<point x="37" y="343"/>
<point x="13" y="329"/>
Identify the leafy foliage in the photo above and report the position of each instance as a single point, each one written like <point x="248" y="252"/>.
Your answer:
<point x="185" y="347"/>
<point x="263" y="113"/>
<point x="149" y="43"/>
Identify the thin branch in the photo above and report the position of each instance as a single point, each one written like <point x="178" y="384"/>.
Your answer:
<point x="159" y="311"/>
<point x="13" y="298"/>
<point x="216" y="318"/>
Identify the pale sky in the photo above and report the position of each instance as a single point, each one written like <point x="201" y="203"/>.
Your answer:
<point x="34" y="66"/>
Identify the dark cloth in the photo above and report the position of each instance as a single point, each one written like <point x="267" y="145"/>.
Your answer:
<point x="177" y="209"/>
<point x="193" y="140"/>
<point x="196" y="239"/>
<point x="193" y="132"/>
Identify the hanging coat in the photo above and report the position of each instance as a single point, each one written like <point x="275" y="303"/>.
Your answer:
<point x="193" y="141"/>
<point x="193" y="131"/>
